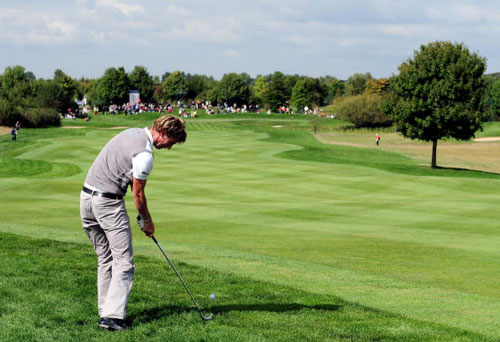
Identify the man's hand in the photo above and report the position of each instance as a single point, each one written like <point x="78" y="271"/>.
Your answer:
<point x="144" y="219"/>
<point x="149" y="228"/>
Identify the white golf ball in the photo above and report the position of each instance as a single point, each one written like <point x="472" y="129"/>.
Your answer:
<point x="212" y="296"/>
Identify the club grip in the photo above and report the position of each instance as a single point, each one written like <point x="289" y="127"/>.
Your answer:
<point x="140" y="222"/>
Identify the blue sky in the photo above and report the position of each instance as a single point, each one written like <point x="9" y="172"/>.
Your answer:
<point x="315" y="38"/>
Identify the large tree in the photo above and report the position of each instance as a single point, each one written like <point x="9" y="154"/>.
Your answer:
<point x="175" y="86"/>
<point x="67" y="93"/>
<point x="306" y="92"/>
<point x="259" y="89"/>
<point x="331" y="88"/>
<point x="113" y="87"/>
<point x="198" y="85"/>
<point x="439" y="94"/>
<point x="233" y="88"/>
<point x="356" y="84"/>
<point x="141" y="80"/>
<point x="277" y="92"/>
<point x="16" y="84"/>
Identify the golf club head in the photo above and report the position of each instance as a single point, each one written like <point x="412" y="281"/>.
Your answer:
<point x="207" y="317"/>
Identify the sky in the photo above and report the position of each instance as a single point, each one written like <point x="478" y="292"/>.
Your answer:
<point x="314" y="38"/>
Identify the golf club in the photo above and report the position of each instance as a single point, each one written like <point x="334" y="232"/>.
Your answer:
<point x="206" y="317"/>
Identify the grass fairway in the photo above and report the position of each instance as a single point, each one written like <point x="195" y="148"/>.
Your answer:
<point x="298" y="240"/>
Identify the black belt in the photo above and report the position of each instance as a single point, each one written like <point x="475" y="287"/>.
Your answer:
<point x="102" y="194"/>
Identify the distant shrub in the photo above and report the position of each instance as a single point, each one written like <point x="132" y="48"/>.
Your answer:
<point x="40" y="117"/>
<point x="363" y="111"/>
<point x="9" y="113"/>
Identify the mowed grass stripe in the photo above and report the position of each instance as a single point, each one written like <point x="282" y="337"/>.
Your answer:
<point x="60" y="278"/>
<point x="207" y="126"/>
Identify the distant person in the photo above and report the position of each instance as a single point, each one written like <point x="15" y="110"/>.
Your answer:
<point x="13" y="133"/>
<point x="126" y="160"/>
<point x="377" y="139"/>
<point x="18" y="126"/>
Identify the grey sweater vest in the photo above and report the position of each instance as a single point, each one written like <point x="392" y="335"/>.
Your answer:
<point x="112" y="169"/>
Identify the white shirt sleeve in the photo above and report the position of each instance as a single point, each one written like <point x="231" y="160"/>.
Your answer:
<point x="142" y="164"/>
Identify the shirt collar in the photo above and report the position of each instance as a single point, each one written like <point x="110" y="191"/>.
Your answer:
<point x="150" y="138"/>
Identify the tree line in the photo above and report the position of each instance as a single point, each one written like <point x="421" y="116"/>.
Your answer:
<point x="37" y="102"/>
<point x="439" y="92"/>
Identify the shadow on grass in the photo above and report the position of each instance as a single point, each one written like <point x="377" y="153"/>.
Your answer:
<point x="168" y="310"/>
<point x="458" y="169"/>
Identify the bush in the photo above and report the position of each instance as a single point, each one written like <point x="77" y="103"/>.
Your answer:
<point x="9" y="113"/>
<point x="40" y="117"/>
<point x="363" y="111"/>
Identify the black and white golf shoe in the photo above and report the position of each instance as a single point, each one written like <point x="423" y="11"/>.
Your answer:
<point x="113" y="324"/>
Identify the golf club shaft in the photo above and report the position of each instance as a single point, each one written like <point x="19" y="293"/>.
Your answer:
<point x="179" y="276"/>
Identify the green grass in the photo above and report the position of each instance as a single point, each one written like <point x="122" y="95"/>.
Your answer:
<point x="47" y="294"/>
<point x="411" y="251"/>
<point x="490" y="129"/>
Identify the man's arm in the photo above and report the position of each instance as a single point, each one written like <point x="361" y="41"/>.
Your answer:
<point x="140" y="202"/>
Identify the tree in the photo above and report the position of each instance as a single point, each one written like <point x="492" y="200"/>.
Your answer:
<point x="18" y="100"/>
<point x="260" y="89"/>
<point x="67" y="93"/>
<point x="12" y="76"/>
<point x="165" y="76"/>
<point x="277" y="94"/>
<point x="50" y="94"/>
<point x="439" y="93"/>
<point x="495" y="98"/>
<point x="175" y="86"/>
<point x="356" y="84"/>
<point x="141" y="80"/>
<point x="16" y="84"/>
<point x="113" y="87"/>
<point x="233" y="88"/>
<point x="378" y="87"/>
<point x="306" y="92"/>
<point x="91" y="91"/>
<point x="197" y="86"/>
<point x="290" y="81"/>
<point x="363" y="110"/>
<point x="331" y="88"/>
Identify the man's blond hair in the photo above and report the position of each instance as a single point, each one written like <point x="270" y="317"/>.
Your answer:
<point x="173" y="126"/>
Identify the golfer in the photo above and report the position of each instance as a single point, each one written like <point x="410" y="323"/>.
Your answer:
<point x="127" y="159"/>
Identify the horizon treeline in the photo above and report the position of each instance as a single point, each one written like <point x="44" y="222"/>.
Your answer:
<point x="38" y="102"/>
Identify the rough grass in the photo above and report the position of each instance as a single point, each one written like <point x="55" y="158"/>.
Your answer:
<point x="481" y="156"/>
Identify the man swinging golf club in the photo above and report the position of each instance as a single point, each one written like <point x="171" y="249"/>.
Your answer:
<point x="127" y="159"/>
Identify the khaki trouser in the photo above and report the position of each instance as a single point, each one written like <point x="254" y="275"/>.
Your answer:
<point x="107" y="225"/>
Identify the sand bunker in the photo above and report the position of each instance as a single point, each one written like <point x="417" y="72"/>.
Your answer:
<point x="487" y="139"/>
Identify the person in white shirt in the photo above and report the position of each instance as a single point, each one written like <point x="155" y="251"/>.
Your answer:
<point x="126" y="160"/>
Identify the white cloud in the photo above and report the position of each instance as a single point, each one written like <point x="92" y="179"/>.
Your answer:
<point x="125" y="8"/>
<point x="330" y="35"/>
<point x="464" y="13"/>
<point x="204" y="30"/>
<point x="230" y="52"/>
<point x="173" y="10"/>
<point x="409" y="30"/>
<point x="35" y="28"/>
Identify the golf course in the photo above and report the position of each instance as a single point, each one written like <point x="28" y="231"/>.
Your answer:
<point x="300" y="236"/>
